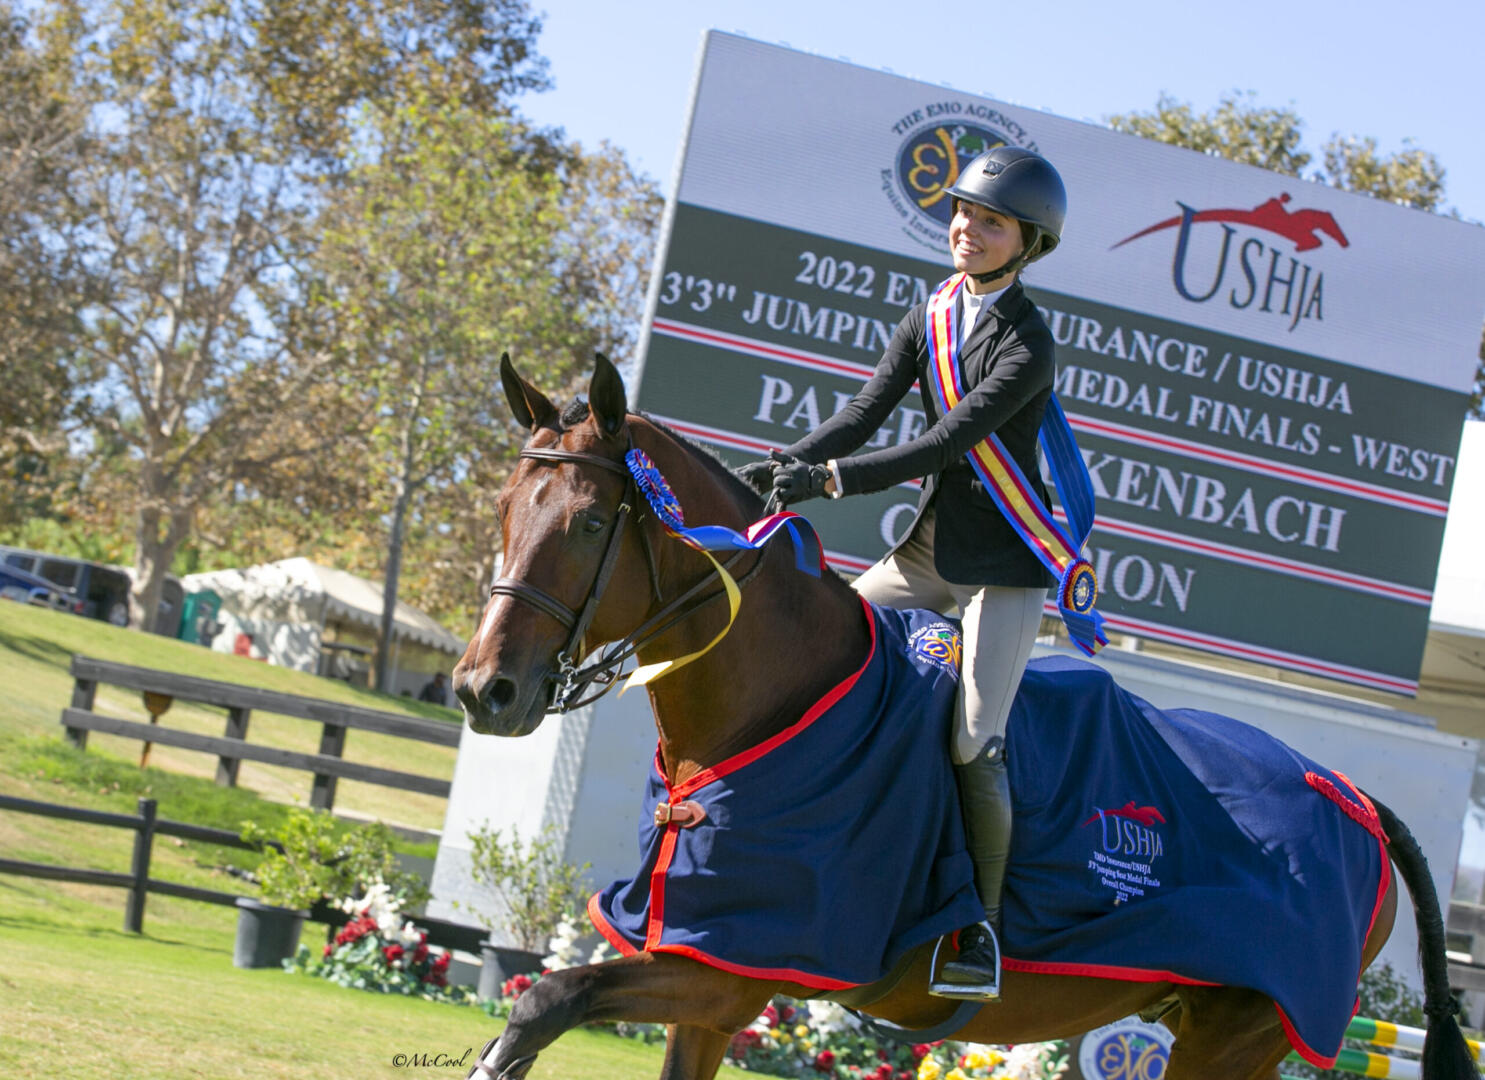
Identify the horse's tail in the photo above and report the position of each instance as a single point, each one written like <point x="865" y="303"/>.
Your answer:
<point x="1446" y="1055"/>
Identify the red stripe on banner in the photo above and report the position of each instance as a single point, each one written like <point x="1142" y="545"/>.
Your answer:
<point x="1107" y="428"/>
<point x="755" y="347"/>
<point x="849" y="563"/>
<point x="1356" y="582"/>
<point x="722" y="437"/>
<point x="1249" y="463"/>
<point x="1228" y="647"/>
<point x="815" y="711"/>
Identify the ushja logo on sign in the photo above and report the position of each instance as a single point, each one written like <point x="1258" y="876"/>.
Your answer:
<point x="1296" y="290"/>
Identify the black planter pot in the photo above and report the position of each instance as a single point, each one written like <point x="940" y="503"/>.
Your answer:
<point x="266" y="935"/>
<point x="499" y="962"/>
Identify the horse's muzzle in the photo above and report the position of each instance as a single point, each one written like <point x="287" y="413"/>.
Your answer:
<point x="496" y="704"/>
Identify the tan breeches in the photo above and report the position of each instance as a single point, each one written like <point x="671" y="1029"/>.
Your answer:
<point x="1000" y="625"/>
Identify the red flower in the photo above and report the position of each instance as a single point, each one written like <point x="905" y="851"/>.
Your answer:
<point x="441" y="962"/>
<point x="420" y="954"/>
<point x="772" y="1015"/>
<point x="787" y="1014"/>
<point x="515" y="986"/>
<point x="920" y="1050"/>
<point x="393" y="953"/>
<point x="825" y="1061"/>
<point x="882" y="1054"/>
<point x="328" y="948"/>
<point x="739" y="1045"/>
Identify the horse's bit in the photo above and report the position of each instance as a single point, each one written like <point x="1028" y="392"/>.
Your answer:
<point x="571" y="681"/>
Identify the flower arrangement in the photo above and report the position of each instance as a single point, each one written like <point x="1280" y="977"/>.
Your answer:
<point x="381" y="951"/>
<point x="821" y="1039"/>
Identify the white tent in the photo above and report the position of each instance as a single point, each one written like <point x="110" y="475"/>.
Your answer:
<point x="298" y="612"/>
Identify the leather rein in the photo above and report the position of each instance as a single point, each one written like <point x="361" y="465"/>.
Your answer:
<point x="572" y="681"/>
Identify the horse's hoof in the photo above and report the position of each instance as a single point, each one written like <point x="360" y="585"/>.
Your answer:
<point x="514" y="1071"/>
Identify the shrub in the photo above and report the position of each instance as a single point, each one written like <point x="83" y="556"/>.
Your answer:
<point x="320" y="859"/>
<point x="535" y="889"/>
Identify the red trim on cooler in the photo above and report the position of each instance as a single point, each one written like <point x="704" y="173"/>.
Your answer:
<point x="604" y="927"/>
<point x="815" y="711"/>
<point x="818" y="982"/>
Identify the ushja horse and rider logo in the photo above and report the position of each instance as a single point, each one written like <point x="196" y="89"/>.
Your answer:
<point x="1260" y="274"/>
<point x="1127" y="844"/>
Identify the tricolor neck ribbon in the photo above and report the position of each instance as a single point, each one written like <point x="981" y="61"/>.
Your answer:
<point x="809" y="555"/>
<point x="1059" y="551"/>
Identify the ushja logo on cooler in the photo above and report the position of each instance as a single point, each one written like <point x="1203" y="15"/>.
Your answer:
<point x="1262" y="274"/>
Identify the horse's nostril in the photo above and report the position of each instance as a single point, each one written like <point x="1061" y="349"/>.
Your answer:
<point x="500" y="694"/>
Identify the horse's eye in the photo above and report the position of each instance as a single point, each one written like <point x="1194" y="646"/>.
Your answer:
<point x="593" y="524"/>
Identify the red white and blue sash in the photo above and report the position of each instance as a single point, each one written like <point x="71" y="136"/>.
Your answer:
<point x="1061" y="553"/>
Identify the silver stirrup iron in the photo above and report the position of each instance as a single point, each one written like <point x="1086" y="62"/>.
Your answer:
<point x="984" y="992"/>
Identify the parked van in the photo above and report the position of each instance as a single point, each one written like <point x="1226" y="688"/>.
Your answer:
<point x="96" y="590"/>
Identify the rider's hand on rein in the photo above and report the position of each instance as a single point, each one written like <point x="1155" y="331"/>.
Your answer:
<point x="796" y="481"/>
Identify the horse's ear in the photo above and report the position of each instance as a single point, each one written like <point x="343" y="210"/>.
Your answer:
<point x="606" y="398"/>
<point x="528" y="405"/>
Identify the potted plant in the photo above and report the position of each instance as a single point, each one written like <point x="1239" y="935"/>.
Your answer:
<point x="534" y="891"/>
<point x="306" y="859"/>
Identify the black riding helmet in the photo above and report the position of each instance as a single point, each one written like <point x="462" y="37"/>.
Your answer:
<point x="1020" y="185"/>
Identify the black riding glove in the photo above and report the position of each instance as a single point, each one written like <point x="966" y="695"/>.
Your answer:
<point x="796" y="481"/>
<point x="758" y="475"/>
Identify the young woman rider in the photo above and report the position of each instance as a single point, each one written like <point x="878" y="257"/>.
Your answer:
<point x="961" y="554"/>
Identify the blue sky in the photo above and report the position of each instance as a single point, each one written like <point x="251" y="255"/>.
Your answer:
<point x="1392" y="71"/>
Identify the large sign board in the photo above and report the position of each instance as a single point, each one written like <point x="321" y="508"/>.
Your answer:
<point x="1266" y="376"/>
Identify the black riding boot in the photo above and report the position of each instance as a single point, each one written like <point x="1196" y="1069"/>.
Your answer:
<point x="985" y="798"/>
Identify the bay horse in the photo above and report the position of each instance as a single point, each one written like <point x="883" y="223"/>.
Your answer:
<point x="575" y="573"/>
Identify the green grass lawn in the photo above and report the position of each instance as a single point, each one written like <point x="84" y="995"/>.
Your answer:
<point x="36" y="647"/>
<point x="80" y="997"/>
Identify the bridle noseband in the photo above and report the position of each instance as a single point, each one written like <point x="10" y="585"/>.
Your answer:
<point x="570" y="681"/>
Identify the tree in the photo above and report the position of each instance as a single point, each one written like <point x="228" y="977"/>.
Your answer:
<point x="41" y="142"/>
<point x="222" y="127"/>
<point x="1237" y="129"/>
<point x="1241" y="130"/>
<point x="456" y="236"/>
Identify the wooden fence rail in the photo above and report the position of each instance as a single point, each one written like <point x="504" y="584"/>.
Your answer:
<point x="161" y="688"/>
<point x="146" y="825"/>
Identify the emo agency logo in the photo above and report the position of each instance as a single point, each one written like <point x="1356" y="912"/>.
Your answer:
<point x="1262" y="273"/>
<point x="937" y="141"/>
<point x="939" y="644"/>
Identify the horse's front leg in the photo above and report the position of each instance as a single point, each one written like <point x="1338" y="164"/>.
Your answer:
<point x="648" y="988"/>
<point x="694" y="1053"/>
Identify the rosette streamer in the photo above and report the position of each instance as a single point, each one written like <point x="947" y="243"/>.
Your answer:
<point x="1059" y="551"/>
<point x="809" y="556"/>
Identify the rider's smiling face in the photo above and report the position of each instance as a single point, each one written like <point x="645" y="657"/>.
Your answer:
<point x="981" y="239"/>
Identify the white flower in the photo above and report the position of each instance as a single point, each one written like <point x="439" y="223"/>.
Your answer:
<point x="1024" y="1061"/>
<point x="828" y="1018"/>
<point x="564" y="947"/>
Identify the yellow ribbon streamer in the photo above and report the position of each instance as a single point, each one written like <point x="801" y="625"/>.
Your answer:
<point x="649" y="672"/>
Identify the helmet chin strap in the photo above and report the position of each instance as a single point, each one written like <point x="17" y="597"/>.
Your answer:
<point x="1015" y="264"/>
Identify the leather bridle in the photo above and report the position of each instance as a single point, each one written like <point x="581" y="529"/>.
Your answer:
<point x="571" y="681"/>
